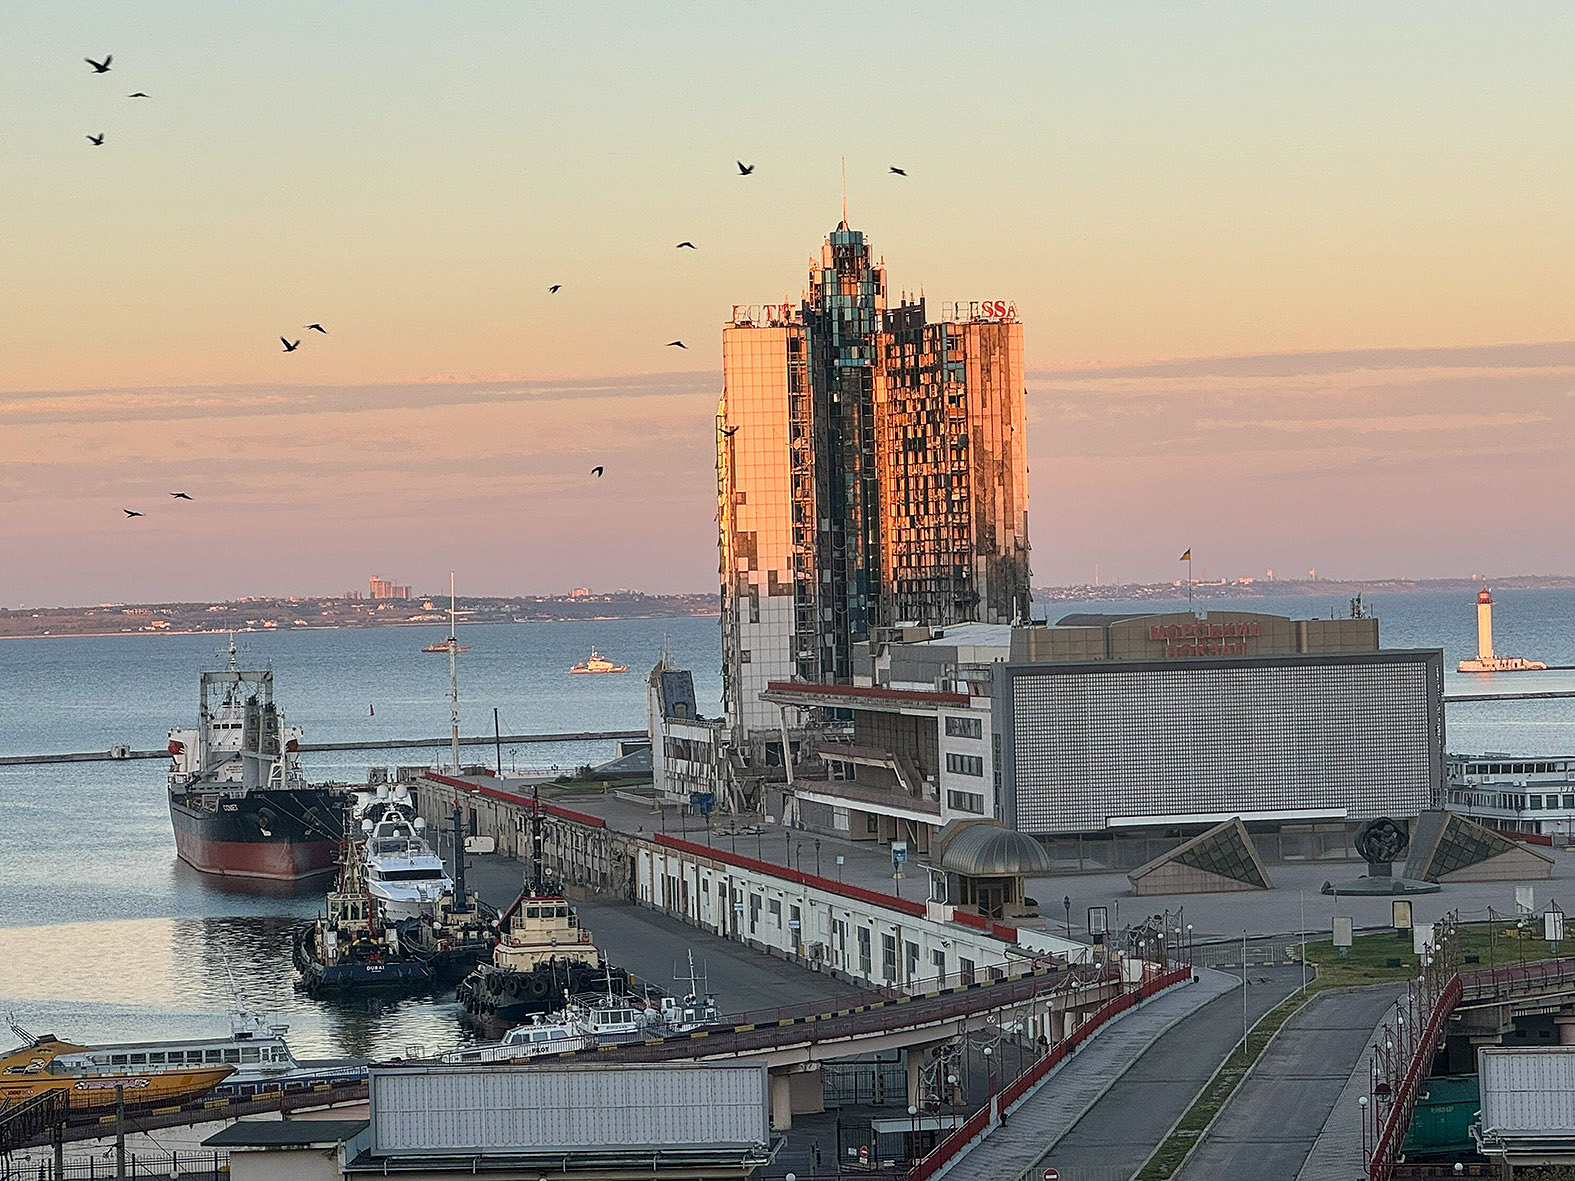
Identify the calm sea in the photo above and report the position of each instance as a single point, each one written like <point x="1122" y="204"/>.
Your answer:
<point x="104" y="935"/>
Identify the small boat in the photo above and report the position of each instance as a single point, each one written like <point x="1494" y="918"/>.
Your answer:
<point x="596" y="664"/>
<point x="538" y="1037"/>
<point x="443" y="646"/>
<point x="90" y="1078"/>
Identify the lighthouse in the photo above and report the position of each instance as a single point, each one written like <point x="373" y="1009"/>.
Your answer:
<point x="1485" y="625"/>
<point x="1485" y="661"/>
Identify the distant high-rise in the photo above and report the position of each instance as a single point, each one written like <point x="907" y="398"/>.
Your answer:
<point x="871" y="469"/>
<point x="381" y="588"/>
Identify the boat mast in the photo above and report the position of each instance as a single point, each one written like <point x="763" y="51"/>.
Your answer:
<point x="453" y="678"/>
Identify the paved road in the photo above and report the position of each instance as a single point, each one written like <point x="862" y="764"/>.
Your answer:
<point x="654" y="947"/>
<point x="1119" y="1132"/>
<point x="1268" y="1127"/>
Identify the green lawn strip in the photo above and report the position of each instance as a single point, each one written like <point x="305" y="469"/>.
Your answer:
<point x="1379" y="958"/>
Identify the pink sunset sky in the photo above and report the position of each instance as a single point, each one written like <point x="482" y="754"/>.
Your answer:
<point x="1296" y="284"/>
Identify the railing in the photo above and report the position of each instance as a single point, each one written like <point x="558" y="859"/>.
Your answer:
<point x="959" y="1140"/>
<point x="99" y="1167"/>
<point x="1493" y="984"/>
<point x="1401" y="1094"/>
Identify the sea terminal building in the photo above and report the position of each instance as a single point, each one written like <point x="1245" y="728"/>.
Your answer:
<point x="1515" y="793"/>
<point x="1129" y="732"/>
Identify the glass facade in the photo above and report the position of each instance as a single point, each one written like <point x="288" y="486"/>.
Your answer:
<point x="871" y="469"/>
<point x="1088" y="743"/>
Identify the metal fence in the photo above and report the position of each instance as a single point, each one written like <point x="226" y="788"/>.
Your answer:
<point x="39" y="1165"/>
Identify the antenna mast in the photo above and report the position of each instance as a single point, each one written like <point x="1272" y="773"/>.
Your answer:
<point x="453" y="677"/>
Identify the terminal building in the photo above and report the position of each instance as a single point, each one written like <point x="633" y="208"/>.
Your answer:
<point x="1110" y="737"/>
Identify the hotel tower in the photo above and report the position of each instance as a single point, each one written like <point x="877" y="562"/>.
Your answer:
<point x="871" y="470"/>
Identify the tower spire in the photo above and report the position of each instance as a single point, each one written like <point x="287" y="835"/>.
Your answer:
<point x="844" y="192"/>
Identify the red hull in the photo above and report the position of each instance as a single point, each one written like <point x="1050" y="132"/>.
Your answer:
<point x="273" y="860"/>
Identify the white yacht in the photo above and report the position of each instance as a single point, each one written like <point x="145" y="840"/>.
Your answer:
<point x="403" y="874"/>
<point x="542" y="1036"/>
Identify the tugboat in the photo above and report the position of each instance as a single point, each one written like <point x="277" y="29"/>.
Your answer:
<point x="239" y="804"/>
<point x="457" y="931"/>
<point x="597" y="664"/>
<point x="542" y="954"/>
<point x="349" y="949"/>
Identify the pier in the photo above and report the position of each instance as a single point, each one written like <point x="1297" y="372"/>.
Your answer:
<point x="117" y="754"/>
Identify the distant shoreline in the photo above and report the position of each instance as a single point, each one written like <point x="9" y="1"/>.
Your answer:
<point x="251" y="616"/>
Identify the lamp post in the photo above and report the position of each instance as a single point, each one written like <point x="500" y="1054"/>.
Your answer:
<point x="989" y="1076"/>
<point x="1067" y="902"/>
<point x="1362" y="1103"/>
<point x="817" y="857"/>
<point x="913" y="1132"/>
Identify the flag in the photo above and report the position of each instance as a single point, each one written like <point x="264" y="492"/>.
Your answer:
<point x="1186" y="557"/>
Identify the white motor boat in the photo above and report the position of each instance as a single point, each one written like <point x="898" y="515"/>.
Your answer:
<point x="542" y="1036"/>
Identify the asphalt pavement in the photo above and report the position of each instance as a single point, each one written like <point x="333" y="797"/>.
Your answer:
<point x="655" y="948"/>
<point x="1268" y="1127"/>
<point x="1121" y="1130"/>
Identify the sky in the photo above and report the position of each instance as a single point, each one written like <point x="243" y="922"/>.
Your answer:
<point x="1296" y="279"/>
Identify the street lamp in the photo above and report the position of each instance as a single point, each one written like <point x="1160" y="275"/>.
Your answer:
<point x="913" y="1132"/>
<point x="1362" y="1103"/>
<point x="1067" y="902"/>
<point x="989" y="1074"/>
<point x="817" y="857"/>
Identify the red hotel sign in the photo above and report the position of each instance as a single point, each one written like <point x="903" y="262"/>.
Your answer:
<point x="1205" y="639"/>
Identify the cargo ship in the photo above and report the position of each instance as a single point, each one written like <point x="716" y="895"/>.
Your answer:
<point x="239" y="803"/>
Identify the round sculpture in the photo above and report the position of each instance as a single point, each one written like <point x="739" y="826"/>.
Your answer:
<point x="1381" y="841"/>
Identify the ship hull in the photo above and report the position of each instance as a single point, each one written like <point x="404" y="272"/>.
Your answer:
<point x="281" y="836"/>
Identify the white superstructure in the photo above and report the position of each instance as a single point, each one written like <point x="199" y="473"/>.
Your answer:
<point x="403" y="873"/>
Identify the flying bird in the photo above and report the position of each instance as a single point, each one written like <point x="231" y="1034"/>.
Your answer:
<point x="684" y="246"/>
<point x="598" y="471"/>
<point x="98" y="140"/>
<point x="100" y="67"/>
<point x="130" y="512"/>
<point x="288" y="347"/>
<point x="139" y="94"/>
<point x="553" y="290"/>
<point x="899" y="171"/>
<point x="180" y="496"/>
<point x="676" y="344"/>
<point x="745" y="169"/>
<point x="318" y="328"/>
<point x="730" y="431"/>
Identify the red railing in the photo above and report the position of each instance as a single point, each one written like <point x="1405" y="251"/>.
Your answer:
<point x="846" y="889"/>
<point x="1386" y="1148"/>
<point x="1503" y="983"/>
<point x="959" y="1139"/>
<point x="509" y="797"/>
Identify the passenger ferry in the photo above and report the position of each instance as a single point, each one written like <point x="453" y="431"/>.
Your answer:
<point x="1523" y="794"/>
<point x="90" y="1077"/>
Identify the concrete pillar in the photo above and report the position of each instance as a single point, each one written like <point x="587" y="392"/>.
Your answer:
<point x="915" y="1061"/>
<point x="808" y="1091"/>
<point x="1566" y="1027"/>
<point x="781" y="1101"/>
<point x="1479" y="1041"/>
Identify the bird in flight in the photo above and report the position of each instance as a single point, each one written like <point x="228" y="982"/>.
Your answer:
<point x="130" y="512"/>
<point x="139" y="94"/>
<point x="730" y="431"/>
<point x="288" y="347"/>
<point x="597" y="470"/>
<point x="98" y="140"/>
<point x="676" y="344"/>
<point x="684" y="246"/>
<point x="180" y="496"/>
<point x="100" y="67"/>
<point x="318" y="328"/>
<point x="899" y="171"/>
<point x="745" y="169"/>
